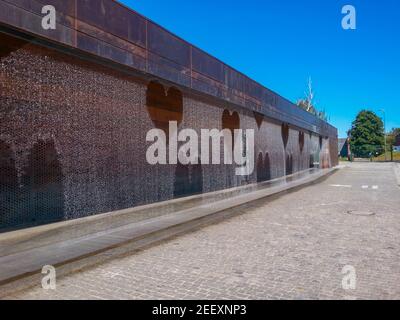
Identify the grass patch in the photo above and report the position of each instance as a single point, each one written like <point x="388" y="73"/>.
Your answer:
<point x="396" y="157"/>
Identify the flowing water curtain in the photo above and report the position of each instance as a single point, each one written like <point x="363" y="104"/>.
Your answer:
<point x="43" y="184"/>
<point x="10" y="201"/>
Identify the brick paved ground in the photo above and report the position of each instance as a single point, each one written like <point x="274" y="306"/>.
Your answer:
<point x="293" y="247"/>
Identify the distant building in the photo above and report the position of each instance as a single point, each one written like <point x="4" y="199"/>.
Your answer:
<point x="397" y="141"/>
<point x="396" y="146"/>
<point x="344" y="148"/>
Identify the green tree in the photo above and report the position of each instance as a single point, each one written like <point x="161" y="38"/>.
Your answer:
<point x="367" y="136"/>
<point x="391" y="137"/>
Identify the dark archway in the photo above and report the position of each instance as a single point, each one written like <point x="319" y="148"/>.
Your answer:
<point x="263" y="168"/>
<point x="182" y="181"/>
<point x="285" y="134"/>
<point x="260" y="168"/>
<point x="196" y="179"/>
<point x="43" y="184"/>
<point x="174" y="102"/>
<point x="9" y="188"/>
<point x="188" y="180"/>
<point x="267" y="166"/>
<point x="163" y="106"/>
<point x="289" y="164"/>
<point x="259" y="119"/>
<point x="301" y="141"/>
<point x="320" y="142"/>
<point x="231" y="122"/>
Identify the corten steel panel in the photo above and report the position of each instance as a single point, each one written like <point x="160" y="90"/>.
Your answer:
<point x="208" y="66"/>
<point x="235" y="80"/>
<point x="112" y="31"/>
<point x="210" y="86"/>
<point x="167" y="69"/>
<point x="166" y="45"/>
<point x="253" y="89"/>
<point x="268" y="97"/>
<point x="26" y="15"/>
<point x="108" y="51"/>
<point x="88" y="36"/>
<point x="66" y="10"/>
<point x="114" y="19"/>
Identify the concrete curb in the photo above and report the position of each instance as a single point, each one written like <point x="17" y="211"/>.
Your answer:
<point x="22" y="270"/>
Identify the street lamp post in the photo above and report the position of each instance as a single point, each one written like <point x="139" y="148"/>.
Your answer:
<point x="384" y="125"/>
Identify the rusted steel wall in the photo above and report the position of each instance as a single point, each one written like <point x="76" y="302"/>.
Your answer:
<point x="73" y="130"/>
<point x="73" y="139"/>
<point x="109" y="30"/>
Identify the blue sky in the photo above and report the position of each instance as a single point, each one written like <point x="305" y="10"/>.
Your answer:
<point x="280" y="43"/>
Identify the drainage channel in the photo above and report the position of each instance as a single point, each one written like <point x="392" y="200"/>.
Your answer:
<point x="364" y="213"/>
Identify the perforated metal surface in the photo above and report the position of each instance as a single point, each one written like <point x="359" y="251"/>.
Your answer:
<point x="263" y="168"/>
<point x="43" y="184"/>
<point x="37" y="196"/>
<point x="10" y="197"/>
<point x="73" y="139"/>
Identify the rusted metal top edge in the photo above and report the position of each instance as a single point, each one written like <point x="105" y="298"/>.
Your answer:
<point x="82" y="24"/>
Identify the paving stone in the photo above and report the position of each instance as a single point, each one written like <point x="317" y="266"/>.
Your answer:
<point x="292" y="247"/>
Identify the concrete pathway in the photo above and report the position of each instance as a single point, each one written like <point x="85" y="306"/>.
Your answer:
<point x="293" y="247"/>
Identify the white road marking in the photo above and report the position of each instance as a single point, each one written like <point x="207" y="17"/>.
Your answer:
<point x="340" y="186"/>
<point x="373" y="187"/>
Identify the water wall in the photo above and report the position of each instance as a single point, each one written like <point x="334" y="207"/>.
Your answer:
<point x="73" y="120"/>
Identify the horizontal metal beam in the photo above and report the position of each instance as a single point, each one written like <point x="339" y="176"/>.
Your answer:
<point x="111" y="31"/>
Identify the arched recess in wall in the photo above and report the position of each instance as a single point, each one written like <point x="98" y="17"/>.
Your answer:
<point x="301" y="141"/>
<point x="289" y="164"/>
<point x="285" y="134"/>
<point x="320" y="142"/>
<point x="10" y="44"/>
<point x="164" y="106"/>
<point x="260" y="167"/>
<point x="9" y="188"/>
<point x="263" y="168"/>
<point x="43" y="184"/>
<point x="231" y="122"/>
<point x="259" y="119"/>
<point x="267" y="166"/>
<point x="181" y="181"/>
<point x="188" y="180"/>
<point x="196" y="179"/>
